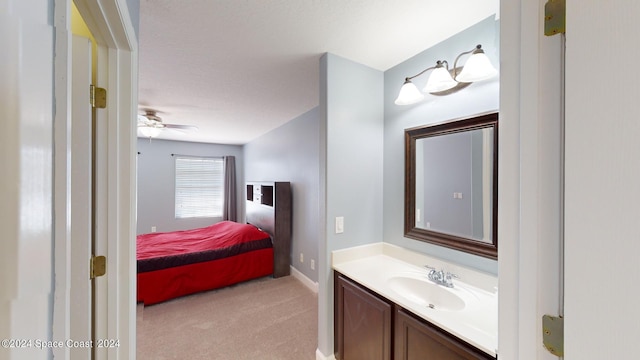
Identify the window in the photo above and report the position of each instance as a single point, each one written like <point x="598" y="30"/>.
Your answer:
<point x="199" y="187"/>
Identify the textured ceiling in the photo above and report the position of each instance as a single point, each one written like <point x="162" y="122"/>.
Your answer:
<point x="237" y="69"/>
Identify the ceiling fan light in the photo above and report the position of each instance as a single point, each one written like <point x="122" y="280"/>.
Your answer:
<point x="149" y="132"/>
<point x="439" y="80"/>
<point x="477" y="68"/>
<point x="409" y="94"/>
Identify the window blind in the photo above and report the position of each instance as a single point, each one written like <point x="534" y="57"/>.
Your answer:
<point x="199" y="187"/>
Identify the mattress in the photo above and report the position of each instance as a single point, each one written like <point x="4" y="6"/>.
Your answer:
<point x="184" y="262"/>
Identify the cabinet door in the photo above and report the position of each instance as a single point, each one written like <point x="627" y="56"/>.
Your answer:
<point x="418" y="340"/>
<point x="363" y="330"/>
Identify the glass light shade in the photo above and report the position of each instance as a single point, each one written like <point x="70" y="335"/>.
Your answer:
<point x="477" y="68"/>
<point x="409" y="94"/>
<point x="149" y="132"/>
<point x="439" y="80"/>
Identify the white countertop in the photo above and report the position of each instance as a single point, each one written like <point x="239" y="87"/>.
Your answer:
<point x="477" y="323"/>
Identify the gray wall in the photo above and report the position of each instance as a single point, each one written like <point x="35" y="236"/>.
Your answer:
<point x="351" y="105"/>
<point x="292" y="153"/>
<point x="451" y="163"/>
<point x="156" y="173"/>
<point x="451" y="156"/>
<point x="477" y="98"/>
<point x="134" y="12"/>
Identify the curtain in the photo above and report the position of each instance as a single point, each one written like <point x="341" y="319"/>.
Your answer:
<point x="229" y="210"/>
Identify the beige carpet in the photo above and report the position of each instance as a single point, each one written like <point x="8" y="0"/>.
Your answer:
<point x="260" y="319"/>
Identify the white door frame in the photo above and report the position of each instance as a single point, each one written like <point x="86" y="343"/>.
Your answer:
<point x="81" y="198"/>
<point x="26" y="212"/>
<point x="530" y="179"/>
<point x="111" y="25"/>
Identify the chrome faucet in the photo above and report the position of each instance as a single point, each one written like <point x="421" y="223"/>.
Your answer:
<point x="441" y="277"/>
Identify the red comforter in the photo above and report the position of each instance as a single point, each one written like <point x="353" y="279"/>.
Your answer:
<point x="182" y="262"/>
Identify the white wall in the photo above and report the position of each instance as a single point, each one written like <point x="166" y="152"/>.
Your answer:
<point x="291" y="153"/>
<point x="351" y="100"/>
<point x="602" y="279"/>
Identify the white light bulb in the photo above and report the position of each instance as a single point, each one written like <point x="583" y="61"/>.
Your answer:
<point x="477" y="68"/>
<point x="439" y="80"/>
<point x="149" y="132"/>
<point x="409" y="94"/>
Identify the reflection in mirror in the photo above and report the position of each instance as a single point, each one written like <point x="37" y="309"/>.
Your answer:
<point x="451" y="196"/>
<point x="453" y="176"/>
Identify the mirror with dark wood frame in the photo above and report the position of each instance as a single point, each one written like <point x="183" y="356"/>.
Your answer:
<point x="451" y="184"/>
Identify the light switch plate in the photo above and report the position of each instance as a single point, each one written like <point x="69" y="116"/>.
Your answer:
<point x="339" y="225"/>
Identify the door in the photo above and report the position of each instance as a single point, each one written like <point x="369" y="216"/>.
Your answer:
<point x="363" y="323"/>
<point x="417" y="339"/>
<point x="602" y="211"/>
<point x="81" y="199"/>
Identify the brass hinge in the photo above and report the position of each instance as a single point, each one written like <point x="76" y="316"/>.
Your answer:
<point x="98" y="266"/>
<point x="97" y="97"/>
<point x="553" y="334"/>
<point x="555" y="17"/>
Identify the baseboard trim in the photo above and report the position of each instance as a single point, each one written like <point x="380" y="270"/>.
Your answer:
<point x="313" y="286"/>
<point x="321" y="356"/>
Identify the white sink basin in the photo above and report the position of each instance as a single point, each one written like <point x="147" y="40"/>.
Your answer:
<point x="425" y="293"/>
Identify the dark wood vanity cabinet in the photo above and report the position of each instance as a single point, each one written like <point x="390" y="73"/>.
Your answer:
<point x="370" y="327"/>
<point x="418" y="340"/>
<point x="363" y="323"/>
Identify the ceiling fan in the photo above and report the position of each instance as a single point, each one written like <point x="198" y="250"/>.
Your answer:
<point x="150" y="125"/>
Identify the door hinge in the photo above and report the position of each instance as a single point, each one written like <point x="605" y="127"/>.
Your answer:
<point x="555" y="16"/>
<point x="97" y="97"/>
<point x="553" y="334"/>
<point x="98" y="266"/>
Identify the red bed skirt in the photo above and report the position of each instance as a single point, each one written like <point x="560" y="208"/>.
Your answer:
<point x="161" y="285"/>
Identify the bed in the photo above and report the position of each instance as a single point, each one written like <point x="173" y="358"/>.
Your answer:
<point x="174" y="264"/>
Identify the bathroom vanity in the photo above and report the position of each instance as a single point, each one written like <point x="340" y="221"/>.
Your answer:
<point x="386" y="308"/>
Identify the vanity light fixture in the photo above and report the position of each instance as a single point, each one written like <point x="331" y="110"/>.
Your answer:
<point x="443" y="81"/>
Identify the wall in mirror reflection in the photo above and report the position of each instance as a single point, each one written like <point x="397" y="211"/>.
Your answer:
<point x="454" y="176"/>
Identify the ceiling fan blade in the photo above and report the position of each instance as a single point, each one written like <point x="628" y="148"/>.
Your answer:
<point x="181" y="127"/>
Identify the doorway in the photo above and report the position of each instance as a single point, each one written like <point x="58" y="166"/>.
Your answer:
<point x="116" y="56"/>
